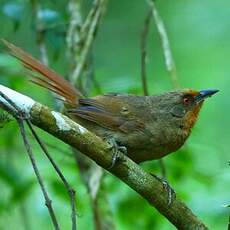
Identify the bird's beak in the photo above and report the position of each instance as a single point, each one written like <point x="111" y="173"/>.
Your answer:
<point x="203" y="94"/>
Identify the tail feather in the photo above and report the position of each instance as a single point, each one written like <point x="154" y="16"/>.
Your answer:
<point x="47" y="77"/>
<point x="44" y="84"/>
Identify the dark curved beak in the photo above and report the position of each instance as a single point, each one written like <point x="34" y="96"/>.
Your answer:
<point x="203" y="94"/>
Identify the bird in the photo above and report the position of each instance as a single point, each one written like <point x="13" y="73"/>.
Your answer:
<point x="145" y="127"/>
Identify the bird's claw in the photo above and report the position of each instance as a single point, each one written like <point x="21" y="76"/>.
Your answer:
<point x="170" y="191"/>
<point x="116" y="149"/>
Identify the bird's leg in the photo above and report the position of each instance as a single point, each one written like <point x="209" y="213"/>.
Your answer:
<point x="115" y="149"/>
<point x="170" y="191"/>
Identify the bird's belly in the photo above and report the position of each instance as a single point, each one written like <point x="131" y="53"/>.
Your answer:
<point x="145" y="147"/>
<point x="142" y="145"/>
<point x="150" y="153"/>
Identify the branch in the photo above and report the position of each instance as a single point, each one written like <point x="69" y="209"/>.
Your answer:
<point x="95" y="148"/>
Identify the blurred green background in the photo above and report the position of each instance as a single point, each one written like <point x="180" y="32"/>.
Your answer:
<point x="199" y="34"/>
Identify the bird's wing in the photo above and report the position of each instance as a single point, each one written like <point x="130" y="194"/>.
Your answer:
<point x="110" y="112"/>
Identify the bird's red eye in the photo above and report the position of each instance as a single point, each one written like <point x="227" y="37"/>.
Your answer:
<point x="186" y="101"/>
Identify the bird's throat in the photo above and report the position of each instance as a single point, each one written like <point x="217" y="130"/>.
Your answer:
<point x="190" y="119"/>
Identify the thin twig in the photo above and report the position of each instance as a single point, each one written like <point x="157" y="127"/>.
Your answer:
<point x="10" y="106"/>
<point x="144" y="36"/>
<point x="69" y="189"/>
<point x="48" y="202"/>
<point x="88" y="42"/>
<point x="169" y="61"/>
<point x="73" y="37"/>
<point x="89" y="18"/>
<point x="13" y="108"/>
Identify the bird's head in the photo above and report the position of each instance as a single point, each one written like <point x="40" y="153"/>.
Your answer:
<point x="184" y="105"/>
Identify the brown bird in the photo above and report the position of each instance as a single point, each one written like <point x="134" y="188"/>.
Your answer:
<point x="149" y="127"/>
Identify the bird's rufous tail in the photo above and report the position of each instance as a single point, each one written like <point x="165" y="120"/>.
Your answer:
<point x="44" y="76"/>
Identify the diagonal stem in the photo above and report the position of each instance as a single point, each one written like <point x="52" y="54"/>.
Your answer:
<point x="169" y="61"/>
<point x="144" y="37"/>
<point x="48" y="201"/>
<point x="70" y="190"/>
<point x="12" y="107"/>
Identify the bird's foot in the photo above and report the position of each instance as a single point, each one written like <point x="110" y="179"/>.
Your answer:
<point x="116" y="149"/>
<point x="170" y="191"/>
